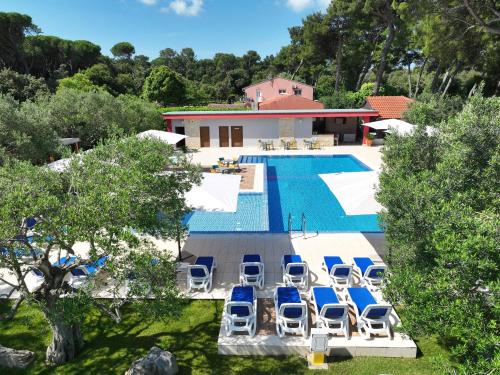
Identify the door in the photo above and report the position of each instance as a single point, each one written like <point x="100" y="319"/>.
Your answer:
<point x="237" y="136"/>
<point x="181" y="130"/>
<point x="223" y="136"/>
<point x="204" y="136"/>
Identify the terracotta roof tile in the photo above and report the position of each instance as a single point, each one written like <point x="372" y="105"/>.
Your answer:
<point x="290" y="102"/>
<point x="389" y="106"/>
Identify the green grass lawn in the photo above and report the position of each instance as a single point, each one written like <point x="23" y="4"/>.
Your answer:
<point x="111" y="348"/>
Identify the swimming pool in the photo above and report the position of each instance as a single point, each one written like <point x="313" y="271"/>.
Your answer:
<point x="292" y="186"/>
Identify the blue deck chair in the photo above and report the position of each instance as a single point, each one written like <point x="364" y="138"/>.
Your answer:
<point x="200" y="274"/>
<point x="81" y="273"/>
<point x="64" y="261"/>
<point x="291" y="311"/>
<point x="252" y="270"/>
<point x="371" y="317"/>
<point x="331" y="314"/>
<point x="370" y="275"/>
<point x="240" y="311"/>
<point x="340" y="273"/>
<point x="295" y="271"/>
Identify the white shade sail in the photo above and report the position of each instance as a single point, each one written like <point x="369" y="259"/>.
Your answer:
<point x="355" y="191"/>
<point x="395" y="125"/>
<point x="167" y="137"/>
<point x="217" y="192"/>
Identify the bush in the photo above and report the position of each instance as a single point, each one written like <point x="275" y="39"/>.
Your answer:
<point x="21" y="86"/>
<point x="97" y="115"/>
<point x="164" y="86"/>
<point x="432" y="109"/>
<point x="26" y="131"/>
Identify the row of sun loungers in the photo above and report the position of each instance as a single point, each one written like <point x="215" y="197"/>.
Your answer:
<point x="77" y="276"/>
<point x="331" y="303"/>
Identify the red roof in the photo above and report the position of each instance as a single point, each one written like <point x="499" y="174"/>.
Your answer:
<point x="389" y="106"/>
<point x="290" y="102"/>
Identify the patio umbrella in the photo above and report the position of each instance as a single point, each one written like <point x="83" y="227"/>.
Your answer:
<point x="217" y="192"/>
<point x="355" y="191"/>
<point x="167" y="137"/>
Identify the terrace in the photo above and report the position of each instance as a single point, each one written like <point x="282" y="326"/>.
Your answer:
<point x="228" y="248"/>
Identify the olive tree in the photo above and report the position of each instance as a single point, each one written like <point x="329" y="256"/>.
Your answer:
<point x="107" y="205"/>
<point x="442" y="206"/>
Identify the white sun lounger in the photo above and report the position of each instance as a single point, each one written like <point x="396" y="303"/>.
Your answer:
<point x="200" y="274"/>
<point x="331" y="314"/>
<point x="252" y="270"/>
<point x="295" y="271"/>
<point x="371" y="317"/>
<point x="340" y="273"/>
<point x="291" y="311"/>
<point x="240" y="311"/>
<point x="371" y="275"/>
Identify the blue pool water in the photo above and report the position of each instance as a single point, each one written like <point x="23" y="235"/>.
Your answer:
<point x="292" y="186"/>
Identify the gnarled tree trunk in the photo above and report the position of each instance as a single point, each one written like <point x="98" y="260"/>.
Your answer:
<point x="67" y="340"/>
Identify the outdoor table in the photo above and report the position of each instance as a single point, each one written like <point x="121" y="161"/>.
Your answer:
<point x="308" y="143"/>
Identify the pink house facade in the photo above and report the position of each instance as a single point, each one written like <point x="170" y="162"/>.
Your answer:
<point x="276" y="87"/>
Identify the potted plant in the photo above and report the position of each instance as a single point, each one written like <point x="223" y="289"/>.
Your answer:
<point x="369" y="139"/>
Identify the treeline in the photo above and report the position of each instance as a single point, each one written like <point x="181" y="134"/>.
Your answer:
<point x="386" y="47"/>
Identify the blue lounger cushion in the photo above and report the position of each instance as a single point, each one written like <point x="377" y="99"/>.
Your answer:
<point x="64" y="261"/>
<point x="331" y="261"/>
<point x="30" y="222"/>
<point x="251" y="270"/>
<point x="241" y="294"/>
<point x="294" y="259"/>
<point x="91" y="268"/>
<point x="94" y="266"/>
<point x="203" y="261"/>
<point x="289" y="295"/>
<point x="326" y="295"/>
<point x="363" y="264"/>
<point x="362" y="298"/>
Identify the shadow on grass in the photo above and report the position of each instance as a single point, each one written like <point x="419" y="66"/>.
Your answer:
<point x="111" y="348"/>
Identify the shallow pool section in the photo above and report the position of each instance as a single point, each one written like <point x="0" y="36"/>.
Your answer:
<point x="293" y="187"/>
<point x="251" y="216"/>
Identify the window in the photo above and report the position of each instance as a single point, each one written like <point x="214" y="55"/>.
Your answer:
<point x="282" y="91"/>
<point x="297" y="91"/>
<point x="259" y="95"/>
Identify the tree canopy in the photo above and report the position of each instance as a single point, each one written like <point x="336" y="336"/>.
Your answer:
<point x="164" y="86"/>
<point x="123" y="50"/>
<point x="113" y="199"/>
<point x="441" y="217"/>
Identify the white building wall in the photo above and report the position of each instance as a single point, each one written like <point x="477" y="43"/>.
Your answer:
<point x="253" y="129"/>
